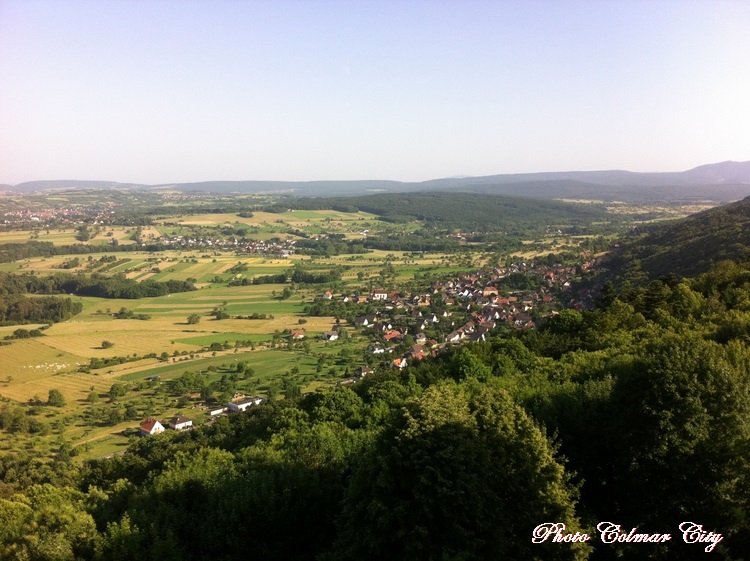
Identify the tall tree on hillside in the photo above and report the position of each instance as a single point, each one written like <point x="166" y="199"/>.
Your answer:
<point x="467" y="475"/>
<point x="683" y="415"/>
<point x="56" y="398"/>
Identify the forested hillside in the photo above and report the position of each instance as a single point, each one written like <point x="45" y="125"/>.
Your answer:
<point x="464" y="210"/>
<point x="690" y="246"/>
<point x="637" y="413"/>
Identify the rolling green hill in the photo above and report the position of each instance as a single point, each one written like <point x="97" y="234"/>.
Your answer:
<point x="466" y="211"/>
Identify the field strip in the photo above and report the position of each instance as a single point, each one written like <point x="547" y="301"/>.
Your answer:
<point x="32" y="358"/>
<point x="73" y="385"/>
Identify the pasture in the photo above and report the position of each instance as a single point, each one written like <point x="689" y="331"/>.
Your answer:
<point x="67" y="235"/>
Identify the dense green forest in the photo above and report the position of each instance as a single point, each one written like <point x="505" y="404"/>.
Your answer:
<point x="466" y="211"/>
<point x="636" y="413"/>
<point x="17" y="309"/>
<point x="690" y="246"/>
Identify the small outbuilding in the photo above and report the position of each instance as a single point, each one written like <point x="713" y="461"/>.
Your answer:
<point x="243" y="404"/>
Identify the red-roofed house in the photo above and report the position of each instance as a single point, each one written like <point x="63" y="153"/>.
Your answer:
<point x="399" y="363"/>
<point x="392" y="335"/>
<point x="151" y="426"/>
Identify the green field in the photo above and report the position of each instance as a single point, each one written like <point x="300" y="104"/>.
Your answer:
<point x="206" y="340"/>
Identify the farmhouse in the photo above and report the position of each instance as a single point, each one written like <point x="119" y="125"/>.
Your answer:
<point x="298" y="334"/>
<point x="180" y="422"/>
<point x="151" y="426"/>
<point x="243" y="404"/>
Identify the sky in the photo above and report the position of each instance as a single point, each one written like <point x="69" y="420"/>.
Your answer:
<point x="161" y="92"/>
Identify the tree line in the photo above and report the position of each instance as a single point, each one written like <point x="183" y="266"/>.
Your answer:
<point x="17" y="309"/>
<point x="117" y="286"/>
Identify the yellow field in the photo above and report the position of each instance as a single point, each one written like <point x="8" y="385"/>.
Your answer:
<point x="29" y="359"/>
<point x="75" y="386"/>
<point x="293" y="218"/>
<point x="56" y="236"/>
<point x="67" y="236"/>
<point x="32" y="367"/>
<point x="40" y="364"/>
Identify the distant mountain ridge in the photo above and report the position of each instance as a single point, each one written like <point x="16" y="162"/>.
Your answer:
<point x="724" y="172"/>
<point x="725" y="181"/>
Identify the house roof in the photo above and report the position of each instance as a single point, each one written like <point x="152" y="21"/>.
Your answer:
<point x="179" y="419"/>
<point x="149" y="424"/>
<point x="245" y="400"/>
<point x="390" y="335"/>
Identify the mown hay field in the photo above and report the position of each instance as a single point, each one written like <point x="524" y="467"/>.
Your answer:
<point x="31" y="359"/>
<point x="67" y="236"/>
<point x="295" y="218"/>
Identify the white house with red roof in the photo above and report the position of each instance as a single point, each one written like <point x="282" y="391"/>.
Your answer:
<point x="151" y="426"/>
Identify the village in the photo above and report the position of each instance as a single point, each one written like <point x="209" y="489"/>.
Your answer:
<point x="405" y="328"/>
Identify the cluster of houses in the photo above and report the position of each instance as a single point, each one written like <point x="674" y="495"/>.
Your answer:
<point x="282" y="248"/>
<point x="463" y="308"/>
<point x="59" y="216"/>
<point x="239" y="404"/>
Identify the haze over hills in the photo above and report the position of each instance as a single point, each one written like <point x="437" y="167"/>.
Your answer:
<point x="725" y="181"/>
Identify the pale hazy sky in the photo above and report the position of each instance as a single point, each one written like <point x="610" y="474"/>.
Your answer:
<point x="172" y="91"/>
